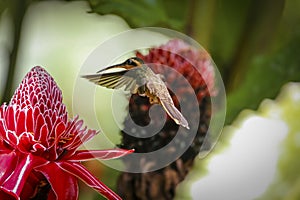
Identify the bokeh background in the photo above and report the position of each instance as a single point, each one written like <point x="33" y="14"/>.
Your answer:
<point x="255" y="45"/>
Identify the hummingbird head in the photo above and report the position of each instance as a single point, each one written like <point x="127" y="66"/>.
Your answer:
<point x="133" y="62"/>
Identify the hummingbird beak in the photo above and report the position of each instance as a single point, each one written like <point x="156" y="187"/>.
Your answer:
<point x="116" y="68"/>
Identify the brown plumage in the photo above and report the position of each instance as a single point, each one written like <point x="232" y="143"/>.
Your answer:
<point x="138" y="78"/>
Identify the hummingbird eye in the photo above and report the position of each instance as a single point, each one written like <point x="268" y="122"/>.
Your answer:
<point x="131" y="62"/>
<point x="134" y="61"/>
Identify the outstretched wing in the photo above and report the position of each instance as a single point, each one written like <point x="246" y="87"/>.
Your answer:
<point x="114" y="80"/>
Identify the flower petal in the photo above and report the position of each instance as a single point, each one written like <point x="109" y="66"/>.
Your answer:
<point x="13" y="184"/>
<point x="26" y="141"/>
<point x="29" y="120"/>
<point x="80" y="137"/>
<point x="84" y="155"/>
<point x="36" y="186"/>
<point x="40" y="121"/>
<point x="10" y="118"/>
<point x="63" y="184"/>
<point x="7" y="165"/>
<point x="11" y="138"/>
<point x="3" y="129"/>
<point x="82" y="173"/>
<point x="59" y="129"/>
<point x="44" y="133"/>
<point x="21" y="127"/>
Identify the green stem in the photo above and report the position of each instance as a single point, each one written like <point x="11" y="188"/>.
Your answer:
<point x="17" y="11"/>
<point x="260" y="28"/>
<point x="201" y="20"/>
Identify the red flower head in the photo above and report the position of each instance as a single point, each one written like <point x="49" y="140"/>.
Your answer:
<point x="190" y="71"/>
<point x="39" y="145"/>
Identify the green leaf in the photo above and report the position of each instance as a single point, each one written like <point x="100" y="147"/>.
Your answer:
<point x="265" y="77"/>
<point x="140" y="13"/>
<point x="3" y="5"/>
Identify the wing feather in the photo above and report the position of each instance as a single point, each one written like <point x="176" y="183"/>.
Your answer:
<point x="112" y="80"/>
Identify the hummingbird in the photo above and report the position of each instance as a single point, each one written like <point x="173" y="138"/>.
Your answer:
<point x="139" y="79"/>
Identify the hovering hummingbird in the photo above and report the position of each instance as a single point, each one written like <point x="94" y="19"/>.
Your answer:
<point x="138" y="78"/>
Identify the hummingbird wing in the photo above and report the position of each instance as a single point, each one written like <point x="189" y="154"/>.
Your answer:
<point x="113" y="80"/>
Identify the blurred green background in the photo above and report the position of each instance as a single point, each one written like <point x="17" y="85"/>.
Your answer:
<point x="255" y="44"/>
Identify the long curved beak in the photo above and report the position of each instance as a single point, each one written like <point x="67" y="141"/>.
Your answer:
<point x="117" y="67"/>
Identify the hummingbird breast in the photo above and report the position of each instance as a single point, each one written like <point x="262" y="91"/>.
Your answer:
<point x="157" y="91"/>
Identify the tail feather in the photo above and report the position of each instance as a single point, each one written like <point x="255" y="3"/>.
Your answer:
<point x="175" y="114"/>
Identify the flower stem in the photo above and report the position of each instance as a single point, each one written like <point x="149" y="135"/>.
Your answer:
<point x="18" y="9"/>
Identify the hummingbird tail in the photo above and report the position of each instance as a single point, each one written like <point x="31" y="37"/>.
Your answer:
<point x="175" y="114"/>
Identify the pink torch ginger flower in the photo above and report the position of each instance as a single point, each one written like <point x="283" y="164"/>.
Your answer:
<point x="39" y="156"/>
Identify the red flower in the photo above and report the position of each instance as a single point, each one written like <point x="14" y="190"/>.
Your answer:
<point x="39" y="145"/>
<point x="197" y="79"/>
